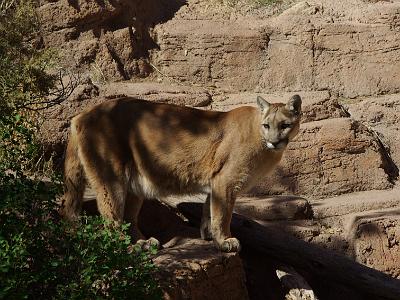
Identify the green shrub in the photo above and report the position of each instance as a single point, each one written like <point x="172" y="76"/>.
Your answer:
<point x="18" y="149"/>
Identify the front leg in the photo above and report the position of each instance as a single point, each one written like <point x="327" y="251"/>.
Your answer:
<point x="222" y="202"/>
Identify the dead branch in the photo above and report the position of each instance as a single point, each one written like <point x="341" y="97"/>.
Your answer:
<point x="63" y="90"/>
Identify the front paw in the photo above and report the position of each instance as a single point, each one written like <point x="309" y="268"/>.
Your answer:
<point x="230" y="245"/>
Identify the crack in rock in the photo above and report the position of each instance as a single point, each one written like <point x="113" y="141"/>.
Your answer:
<point x="388" y="165"/>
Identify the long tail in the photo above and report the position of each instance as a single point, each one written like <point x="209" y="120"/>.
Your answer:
<point x="74" y="179"/>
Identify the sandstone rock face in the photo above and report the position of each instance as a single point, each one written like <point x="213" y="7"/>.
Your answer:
<point x="357" y="60"/>
<point x="351" y="51"/>
<point x="330" y="51"/>
<point x="110" y="41"/>
<point x="158" y="92"/>
<point x="350" y="48"/>
<point x="214" y="53"/>
<point x="364" y="226"/>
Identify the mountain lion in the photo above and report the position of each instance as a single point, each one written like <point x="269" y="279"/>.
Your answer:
<point x="129" y="150"/>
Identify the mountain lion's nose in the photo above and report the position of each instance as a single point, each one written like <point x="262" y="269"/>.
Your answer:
<point x="275" y="144"/>
<point x="272" y="145"/>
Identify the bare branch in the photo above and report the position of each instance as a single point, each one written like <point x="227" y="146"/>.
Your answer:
<point x="57" y="95"/>
<point x="4" y="6"/>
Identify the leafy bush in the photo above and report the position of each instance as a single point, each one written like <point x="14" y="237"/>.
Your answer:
<point x="42" y="256"/>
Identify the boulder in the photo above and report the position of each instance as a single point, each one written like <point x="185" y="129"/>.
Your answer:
<point x="274" y="208"/>
<point x="196" y="270"/>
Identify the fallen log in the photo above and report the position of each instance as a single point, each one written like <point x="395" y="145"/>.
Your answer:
<point x="320" y="262"/>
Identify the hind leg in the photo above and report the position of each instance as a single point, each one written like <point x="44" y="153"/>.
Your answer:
<point x="111" y="200"/>
<point x="107" y="178"/>
<point x="75" y="183"/>
<point x="71" y="201"/>
<point x="132" y="209"/>
<point x="105" y="168"/>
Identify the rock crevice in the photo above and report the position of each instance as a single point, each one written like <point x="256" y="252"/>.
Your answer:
<point x="388" y="165"/>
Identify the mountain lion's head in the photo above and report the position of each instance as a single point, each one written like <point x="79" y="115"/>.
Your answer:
<point x="279" y="122"/>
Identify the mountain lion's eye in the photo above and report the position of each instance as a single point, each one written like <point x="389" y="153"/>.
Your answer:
<point x="284" y="126"/>
<point x="266" y="126"/>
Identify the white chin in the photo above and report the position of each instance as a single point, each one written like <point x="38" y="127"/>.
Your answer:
<point x="270" y="146"/>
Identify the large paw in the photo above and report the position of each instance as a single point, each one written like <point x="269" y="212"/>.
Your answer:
<point x="147" y="244"/>
<point x="230" y="245"/>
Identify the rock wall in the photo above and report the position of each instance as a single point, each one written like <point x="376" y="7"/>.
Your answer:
<point x="212" y="53"/>
<point x="350" y="49"/>
<point x="364" y="226"/>
<point x="106" y="40"/>
<point x="310" y="46"/>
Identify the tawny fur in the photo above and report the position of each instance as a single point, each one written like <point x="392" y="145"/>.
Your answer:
<point x="129" y="150"/>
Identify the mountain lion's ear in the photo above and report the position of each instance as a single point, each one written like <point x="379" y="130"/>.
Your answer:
<point x="263" y="104"/>
<point x="294" y="104"/>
